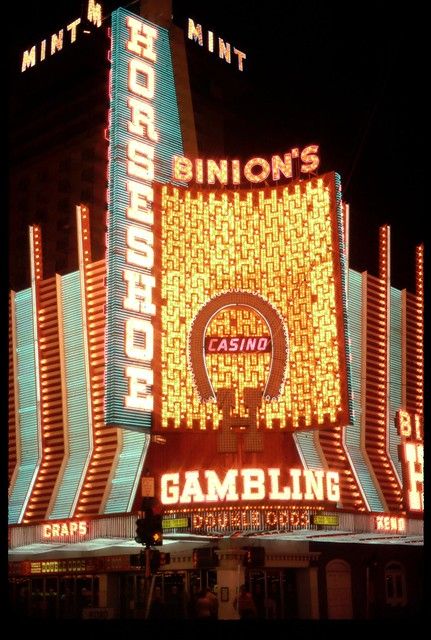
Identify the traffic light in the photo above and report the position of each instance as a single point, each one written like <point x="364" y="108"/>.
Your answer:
<point x="156" y="530"/>
<point x="254" y="557"/>
<point x="149" y="530"/>
<point x="141" y="531"/>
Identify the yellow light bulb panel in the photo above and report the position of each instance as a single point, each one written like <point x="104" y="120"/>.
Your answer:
<point x="282" y="244"/>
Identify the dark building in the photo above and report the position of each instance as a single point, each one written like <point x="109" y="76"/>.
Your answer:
<point x="59" y="131"/>
<point x="58" y="115"/>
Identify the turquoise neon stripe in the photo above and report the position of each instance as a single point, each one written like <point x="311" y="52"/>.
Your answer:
<point x="305" y="442"/>
<point x="344" y="277"/>
<point x="395" y="377"/>
<point x="27" y="406"/>
<point x="77" y="409"/>
<point x="167" y="125"/>
<point x="353" y="431"/>
<point x="128" y="472"/>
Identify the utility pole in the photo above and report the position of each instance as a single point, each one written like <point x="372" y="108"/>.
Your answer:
<point x="149" y="532"/>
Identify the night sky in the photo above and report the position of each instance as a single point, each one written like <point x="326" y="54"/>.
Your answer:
<point x="349" y="76"/>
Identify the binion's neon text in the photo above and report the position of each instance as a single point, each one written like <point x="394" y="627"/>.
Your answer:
<point x="256" y="170"/>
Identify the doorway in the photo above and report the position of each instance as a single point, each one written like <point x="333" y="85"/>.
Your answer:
<point x="339" y="590"/>
<point x="274" y="592"/>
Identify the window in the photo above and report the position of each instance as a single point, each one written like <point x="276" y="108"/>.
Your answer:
<point x="88" y="153"/>
<point x="42" y="176"/>
<point x="395" y="584"/>
<point x="64" y="206"/>
<point x="23" y="184"/>
<point x="23" y="205"/>
<point x="65" y="164"/>
<point x="64" y="186"/>
<point x="86" y="195"/>
<point x="88" y="174"/>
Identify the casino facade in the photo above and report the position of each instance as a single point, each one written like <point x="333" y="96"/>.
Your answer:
<point x="224" y="358"/>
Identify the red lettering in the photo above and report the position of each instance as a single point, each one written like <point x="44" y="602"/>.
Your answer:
<point x="255" y="170"/>
<point x="251" y="344"/>
<point x="211" y="345"/>
<point x="222" y="345"/>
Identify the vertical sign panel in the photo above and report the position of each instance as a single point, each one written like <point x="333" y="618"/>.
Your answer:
<point x="79" y="433"/>
<point x="27" y="407"/>
<point x="144" y="135"/>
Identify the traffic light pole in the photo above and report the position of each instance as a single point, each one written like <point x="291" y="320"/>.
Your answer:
<point x="147" y="562"/>
<point x="150" y="597"/>
<point x="149" y="532"/>
<point x="148" y="584"/>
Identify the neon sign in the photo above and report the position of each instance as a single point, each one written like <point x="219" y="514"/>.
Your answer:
<point x="233" y="519"/>
<point x="242" y="344"/>
<point x="59" y="39"/>
<point x="252" y="263"/>
<point x="325" y="520"/>
<point x="65" y="529"/>
<point x="395" y="524"/>
<point x="409" y="425"/>
<point x="144" y="133"/>
<point x="61" y="566"/>
<point x="413" y="458"/>
<point x="256" y="170"/>
<point x="410" y="429"/>
<point x="249" y="485"/>
<point x="194" y="32"/>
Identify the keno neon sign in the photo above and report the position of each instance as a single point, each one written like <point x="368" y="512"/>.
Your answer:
<point x="141" y="77"/>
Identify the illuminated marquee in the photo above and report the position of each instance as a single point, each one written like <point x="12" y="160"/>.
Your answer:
<point x="255" y="170"/>
<point x="249" y="519"/>
<point x="194" y="32"/>
<point x="279" y="344"/>
<point x="249" y="485"/>
<point x="410" y="429"/>
<point x="57" y="530"/>
<point x="394" y="524"/>
<point x="60" y="566"/>
<point x="280" y="246"/>
<point x="144" y="134"/>
<point x="57" y="40"/>
<point x="238" y="345"/>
